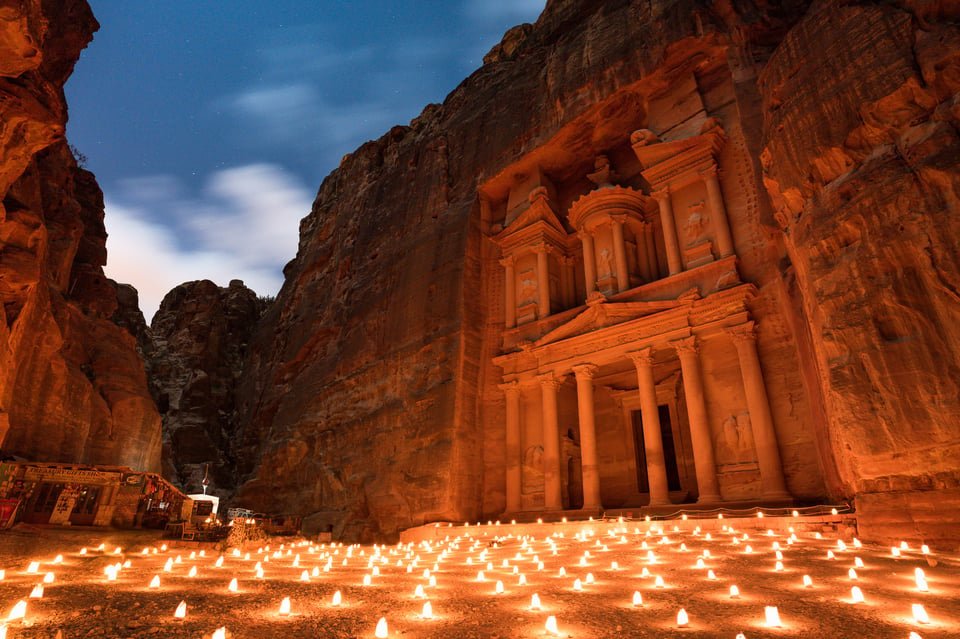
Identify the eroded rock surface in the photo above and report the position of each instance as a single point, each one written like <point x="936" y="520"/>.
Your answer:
<point x="862" y="161"/>
<point x="196" y="347"/>
<point x="72" y="386"/>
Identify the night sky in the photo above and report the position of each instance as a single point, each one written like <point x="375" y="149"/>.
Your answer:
<point x="211" y="124"/>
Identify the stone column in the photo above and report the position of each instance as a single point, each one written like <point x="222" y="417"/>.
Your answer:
<point x="565" y="298"/>
<point x="569" y="264"/>
<point x="700" y="435"/>
<point x="774" y="487"/>
<point x="514" y="450"/>
<point x="652" y="440"/>
<point x="652" y="266"/>
<point x="620" y="252"/>
<point x="588" y="436"/>
<point x="552" y="499"/>
<point x="510" y="289"/>
<point x="543" y="281"/>
<point x="589" y="261"/>
<point x="718" y="212"/>
<point x="669" y="225"/>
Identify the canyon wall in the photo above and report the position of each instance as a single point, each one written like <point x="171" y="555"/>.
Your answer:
<point x="194" y="353"/>
<point x="72" y="386"/>
<point x="861" y="158"/>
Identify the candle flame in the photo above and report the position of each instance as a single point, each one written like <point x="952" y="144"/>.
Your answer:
<point x="19" y="611"/>
<point x="285" y="606"/>
<point x="682" y="619"/>
<point x="181" y="610"/>
<point x="772" y="616"/>
<point x="856" y="595"/>
<point x="920" y="614"/>
<point x="155" y="582"/>
<point x="337" y="599"/>
<point x="37" y="592"/>
<point x="637" y="599"/>
<point x="381" y="632"/>
<point x="427" y="610"/>
<point x="551" y="625"/>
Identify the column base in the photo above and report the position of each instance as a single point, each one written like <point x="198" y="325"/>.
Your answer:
<point x="709" y="499"/>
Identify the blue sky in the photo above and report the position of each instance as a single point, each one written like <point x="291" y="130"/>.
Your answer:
<point x="211" y="124"/>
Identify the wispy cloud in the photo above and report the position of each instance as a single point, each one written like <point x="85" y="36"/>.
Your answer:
<point x="242" y="224"/>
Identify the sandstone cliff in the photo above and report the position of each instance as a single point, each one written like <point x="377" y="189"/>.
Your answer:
<point x="72" y="386"/>
<point x="369" y="388"/>
<point x="862" y="160"/>
<point x="194" y="350"/>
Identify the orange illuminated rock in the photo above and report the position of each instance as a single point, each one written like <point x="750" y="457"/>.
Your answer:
<point x="72" y="386"/>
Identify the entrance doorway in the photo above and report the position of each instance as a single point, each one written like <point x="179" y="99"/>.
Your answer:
<point x="43" y="504"/>
<point x="86" y="506"/>
<point x="669" y="450"/>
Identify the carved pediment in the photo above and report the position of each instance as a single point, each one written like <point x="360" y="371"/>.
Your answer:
<point x="538" y="219"/>
<point x="603" y="314"/>
<point x="664" y="162"/>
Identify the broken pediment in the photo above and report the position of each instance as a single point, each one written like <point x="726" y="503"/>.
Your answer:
<point x="676" y="161"/>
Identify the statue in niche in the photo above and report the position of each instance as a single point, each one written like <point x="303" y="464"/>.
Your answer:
<point x="737" y="446"/>
<point x="603" y="174"/>
<point x="696" y="222"/>
<point x="528" y="291"/>
<point x="605" y="260"/>
<point x="533" y="469"/>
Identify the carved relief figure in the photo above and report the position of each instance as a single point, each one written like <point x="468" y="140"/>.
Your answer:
<point x="528" y="289"/>
<point x="696" y="223"/>
<point x="533" y="469"/>
<point x="606" y="263"/>
<point x="736" y="445"/>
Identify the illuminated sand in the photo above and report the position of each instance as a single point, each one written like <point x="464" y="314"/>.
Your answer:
<point x="82" y="602"/>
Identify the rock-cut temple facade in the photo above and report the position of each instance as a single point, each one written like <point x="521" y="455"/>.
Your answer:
<point x="636" y="355"/>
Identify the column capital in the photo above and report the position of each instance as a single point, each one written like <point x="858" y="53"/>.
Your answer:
<point x="510" y="388"/>
<point x="643" y="357"/>
<point x="745" y="333"/>
<point x="508" y="261"/>
<point x="550" y="380"/>
<point x="585" y="232"/>
<point x="618" y="218"/>
<point x="709" y="172"/>
<point x="661" y="194"/>
<point x="585" y="371"/>
<point x="686" y="346"/>
<point x="542" y="247"/>
<point x="565" y="260"/>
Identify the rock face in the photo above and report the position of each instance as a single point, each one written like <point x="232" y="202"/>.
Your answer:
<point x="195" y="350"/>
<point x="370" y="399"/>
<point x="862" y="161"/>
<point x="72" y="386"/>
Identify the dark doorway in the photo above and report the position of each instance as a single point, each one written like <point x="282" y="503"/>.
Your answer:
<point x="669" y="450"/>
<point x="86" y="506"/>
<point x="43" y="504"/>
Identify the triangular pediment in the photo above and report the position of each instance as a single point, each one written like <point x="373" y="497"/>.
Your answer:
<point x="604" y="314"/>
<point x="538" y="214"/>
